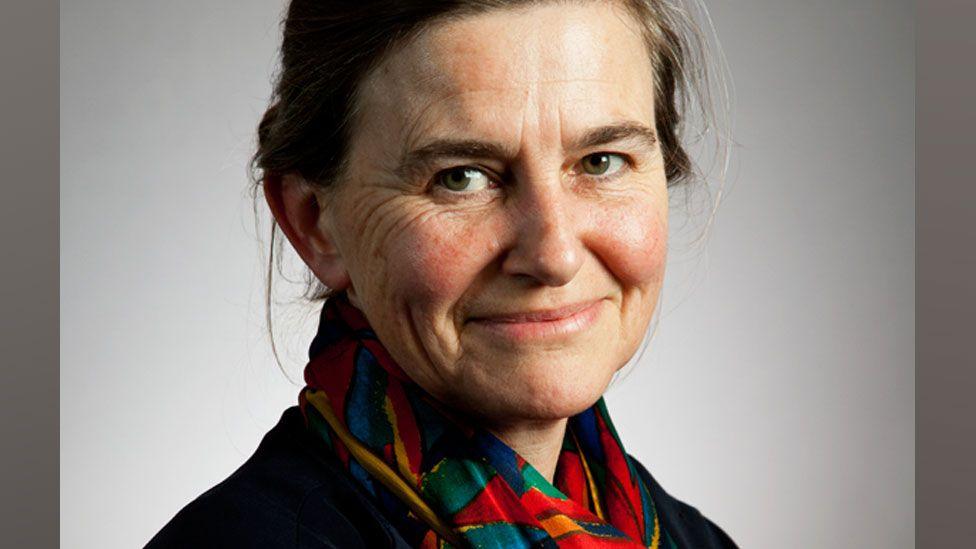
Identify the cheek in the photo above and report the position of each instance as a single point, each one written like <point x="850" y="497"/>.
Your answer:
<point x="633" y="242"/>
<point x="434" y="261"/>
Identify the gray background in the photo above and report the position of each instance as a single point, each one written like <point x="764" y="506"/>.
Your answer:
<point x="781" y="376"/>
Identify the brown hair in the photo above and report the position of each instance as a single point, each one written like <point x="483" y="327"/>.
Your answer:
<point x="329" y="46"/>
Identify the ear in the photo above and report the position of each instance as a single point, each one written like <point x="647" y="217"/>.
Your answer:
<point x="297" y="210"/>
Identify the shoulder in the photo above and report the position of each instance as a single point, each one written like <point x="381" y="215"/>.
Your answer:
<point x="285" y="495"/>
<point x="686" y="525"/>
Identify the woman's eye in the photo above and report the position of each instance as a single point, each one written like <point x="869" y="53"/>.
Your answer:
<point x="602" y="163"/>
<point x="463" y="179"/>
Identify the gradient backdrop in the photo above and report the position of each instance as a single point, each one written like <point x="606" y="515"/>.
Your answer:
<point x="777" y="394"/>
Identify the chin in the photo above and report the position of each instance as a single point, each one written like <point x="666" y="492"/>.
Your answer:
<point x="546" y="392"/>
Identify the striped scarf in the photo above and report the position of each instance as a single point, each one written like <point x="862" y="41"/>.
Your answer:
<point x="446" y="484"/>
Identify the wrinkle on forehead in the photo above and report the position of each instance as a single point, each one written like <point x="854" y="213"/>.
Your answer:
<point x="463" y="72"/>
<point x="511" y="47"/>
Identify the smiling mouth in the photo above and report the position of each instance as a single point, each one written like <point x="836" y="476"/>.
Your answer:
<point x="562" y="321"/>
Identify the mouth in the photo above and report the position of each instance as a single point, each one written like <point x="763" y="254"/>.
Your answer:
<point x="541" y="324"/>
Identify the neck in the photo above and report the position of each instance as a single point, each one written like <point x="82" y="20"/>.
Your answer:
<point x="538" y="441"/>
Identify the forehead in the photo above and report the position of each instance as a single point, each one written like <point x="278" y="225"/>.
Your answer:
<point x="588" y="54"/>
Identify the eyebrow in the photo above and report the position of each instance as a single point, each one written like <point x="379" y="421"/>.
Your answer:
<point x="414" y="161"/>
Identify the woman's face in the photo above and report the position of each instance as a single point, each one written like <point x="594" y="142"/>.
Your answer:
<point x="503" y="219"/>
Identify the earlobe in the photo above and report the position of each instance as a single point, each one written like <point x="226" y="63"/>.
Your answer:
<point x="297" y="209"/>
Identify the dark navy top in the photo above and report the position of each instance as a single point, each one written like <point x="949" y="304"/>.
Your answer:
<point x="294" y="493"/>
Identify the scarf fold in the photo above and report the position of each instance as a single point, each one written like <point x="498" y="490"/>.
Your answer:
<point x="443" y="483"/>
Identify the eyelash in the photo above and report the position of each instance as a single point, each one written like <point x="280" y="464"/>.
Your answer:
<point x="495" y="181"/>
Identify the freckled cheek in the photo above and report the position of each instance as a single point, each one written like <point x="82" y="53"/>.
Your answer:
<point x="433" y="263"/>
<point x="634" y="242"/>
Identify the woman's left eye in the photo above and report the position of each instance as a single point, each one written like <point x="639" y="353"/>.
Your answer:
<point x="602" y="163"/>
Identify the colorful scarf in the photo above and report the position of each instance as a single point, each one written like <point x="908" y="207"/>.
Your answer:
<point x="446" y="484"/>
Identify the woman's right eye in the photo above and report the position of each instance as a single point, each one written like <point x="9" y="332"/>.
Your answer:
<point x="463" y="179"/>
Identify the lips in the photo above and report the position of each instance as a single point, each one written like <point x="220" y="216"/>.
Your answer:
<point x="547" y="315"/>
<point x="551" y="325"/>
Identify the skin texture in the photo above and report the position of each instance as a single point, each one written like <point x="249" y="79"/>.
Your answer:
<point x="532" y="231"/>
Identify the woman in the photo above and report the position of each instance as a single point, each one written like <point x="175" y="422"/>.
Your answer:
<point x="481" y="186"/>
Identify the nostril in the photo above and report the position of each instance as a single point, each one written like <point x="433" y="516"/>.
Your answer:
<point x="548" y="253"/>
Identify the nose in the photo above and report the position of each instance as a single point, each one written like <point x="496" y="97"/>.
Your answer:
<point x="547" y="246"/>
